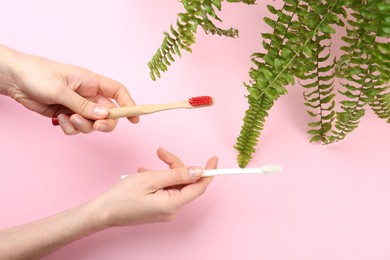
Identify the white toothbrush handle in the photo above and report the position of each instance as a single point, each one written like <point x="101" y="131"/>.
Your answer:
<point x="266" y="169"/>
<point x="216" y="172"/>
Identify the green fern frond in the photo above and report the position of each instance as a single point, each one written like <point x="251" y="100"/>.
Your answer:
<point x="289" y="54"/>
<point x="263" y="88"/>
<point x="381" y="102"/>
<point x="254" y="120"/>
<point x="174" y="41"/>
<point x="320" y="99"/>
<point x="198" y="13"/>
<point x="353" y="111"/>
<point x="320" y="77"/>
<point x="362" y="69"/>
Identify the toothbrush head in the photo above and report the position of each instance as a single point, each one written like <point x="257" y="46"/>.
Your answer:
<point x="271" y="169"/>
<point x="201" y="101"/>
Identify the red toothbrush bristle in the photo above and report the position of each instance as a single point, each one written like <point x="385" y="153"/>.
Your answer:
<point x="201" y="101"/>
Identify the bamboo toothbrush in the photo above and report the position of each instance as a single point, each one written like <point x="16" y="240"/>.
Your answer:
<point x="265" y="169"/>
<point x="118" y="112"/>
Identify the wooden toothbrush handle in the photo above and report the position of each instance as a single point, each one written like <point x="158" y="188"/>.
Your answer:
<point x="119" y="112"/>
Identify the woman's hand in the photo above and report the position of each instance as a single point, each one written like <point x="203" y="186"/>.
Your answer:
<point x="48" y="87"/>
<point x="153" y="196"/>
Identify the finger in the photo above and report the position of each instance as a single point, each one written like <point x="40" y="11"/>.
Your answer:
<point x="81" y="124"/>
<point x="212" y="163"/>
<point x="142" y="169"/>
<point x="81" y="105"/>
<point x="66" y="126"/>
<point x="190" y="192"/>
<point x="176" y="176"/>
<point x="86" y="126"/>
<point x="105" y="125"/>
<point x="172" y="160"/>
<point x="115" y="90"/>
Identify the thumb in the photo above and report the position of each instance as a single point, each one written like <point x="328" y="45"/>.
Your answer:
<point x="82" y="106"/>
<point x="178" y="176"/>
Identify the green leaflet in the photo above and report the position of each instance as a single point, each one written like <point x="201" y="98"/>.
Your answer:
<point x="198" y="13"/>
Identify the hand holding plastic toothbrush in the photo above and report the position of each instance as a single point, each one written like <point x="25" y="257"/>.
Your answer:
<point x="143" y="197"/>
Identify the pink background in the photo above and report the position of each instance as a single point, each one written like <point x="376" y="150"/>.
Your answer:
<point x="330" y="202"/>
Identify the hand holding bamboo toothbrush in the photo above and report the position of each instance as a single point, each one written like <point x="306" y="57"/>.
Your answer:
<point x="119" y="112"/>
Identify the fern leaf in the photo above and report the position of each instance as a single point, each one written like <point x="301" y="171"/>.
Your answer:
<point x="321" y="110"/>
<point x="363" y="70"/>
<point x="289" y="53"/>
<point x="253" y="125"/>
<point x="319" y="79"/>
<point x="198" y="13"/>
<point x="381" y="102"/>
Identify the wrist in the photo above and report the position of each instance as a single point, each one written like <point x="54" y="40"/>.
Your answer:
<point x="97" y="215"/>
<point x="7" y="64"/>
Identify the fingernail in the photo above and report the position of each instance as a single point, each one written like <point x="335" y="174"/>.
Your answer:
<point x="76" y="120"/>
<point x="62" y="119"/>
<point x="101" y="127"/>
<point x="100" y="111"/>
<point x="195" y="171"/>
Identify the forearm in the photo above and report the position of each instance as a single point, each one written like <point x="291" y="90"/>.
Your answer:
<point x="40" y="238"/>
<point x="8" y="59"/>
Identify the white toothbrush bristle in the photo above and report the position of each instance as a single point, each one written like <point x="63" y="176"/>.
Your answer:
<point x="271" y="169"/>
